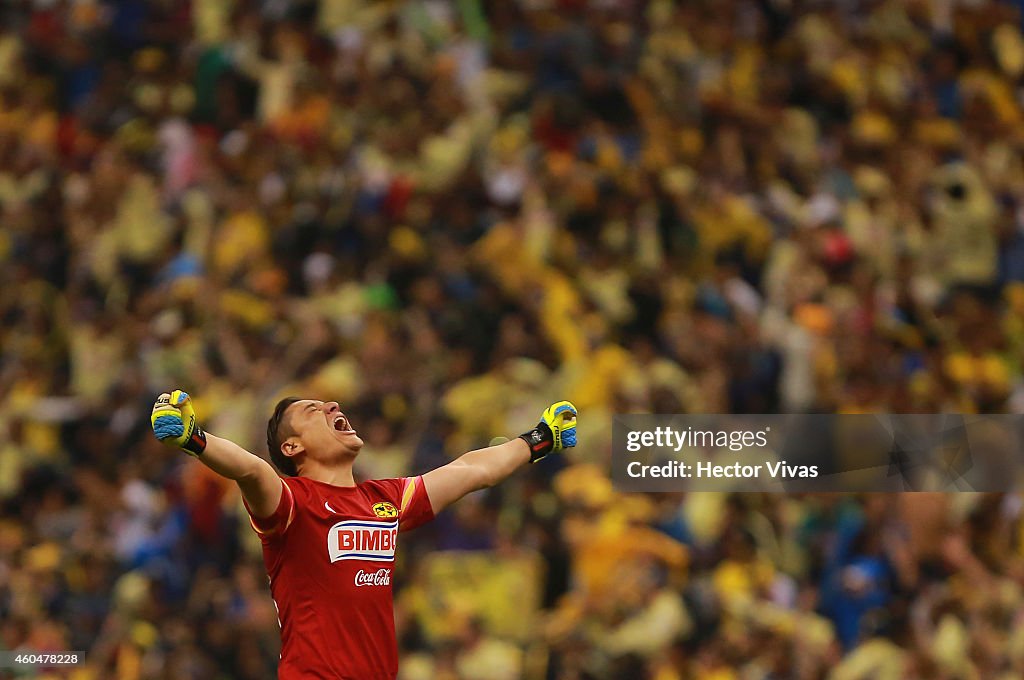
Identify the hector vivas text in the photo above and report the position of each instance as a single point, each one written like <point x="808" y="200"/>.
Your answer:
<point x="671" y="440"/>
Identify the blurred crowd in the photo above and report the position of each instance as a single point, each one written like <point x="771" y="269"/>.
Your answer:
<point x="446" y="214"/>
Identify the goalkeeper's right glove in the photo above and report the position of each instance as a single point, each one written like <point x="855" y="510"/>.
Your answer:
<point x="174" y="422"/>
<point x="555" y="431"/>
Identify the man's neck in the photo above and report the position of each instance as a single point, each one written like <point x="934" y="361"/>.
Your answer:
<point x="337" y="475"/>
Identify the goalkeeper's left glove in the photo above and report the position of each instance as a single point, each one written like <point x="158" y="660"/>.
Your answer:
<point x="174" y="422"/>
<point x="555" y="431"/>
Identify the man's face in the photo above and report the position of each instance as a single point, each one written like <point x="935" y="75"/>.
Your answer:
<point x="323" y="431"/>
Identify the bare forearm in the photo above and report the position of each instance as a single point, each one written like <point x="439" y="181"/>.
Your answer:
<point x="494" y="464"/>
<point x="257" y="480"/>
<point x="228" y="459"/>
<point x="473" y="471"/>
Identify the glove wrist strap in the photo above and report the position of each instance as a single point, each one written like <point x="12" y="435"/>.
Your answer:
<point x="540" y="440"/>
<point x="195" y="444"/>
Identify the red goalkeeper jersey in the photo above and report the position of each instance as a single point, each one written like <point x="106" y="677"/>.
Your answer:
<point x="330" y="554"/>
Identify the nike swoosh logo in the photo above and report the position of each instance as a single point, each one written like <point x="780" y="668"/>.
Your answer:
<point x="329" y="508"/>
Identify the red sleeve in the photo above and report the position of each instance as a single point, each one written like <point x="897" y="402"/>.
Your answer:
<point x="276" y="524"/>
<point x="414" y="509"/>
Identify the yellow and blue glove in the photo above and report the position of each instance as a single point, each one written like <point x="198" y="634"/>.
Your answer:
<point x="174" y="422"/>
<point x="555" y="431"/>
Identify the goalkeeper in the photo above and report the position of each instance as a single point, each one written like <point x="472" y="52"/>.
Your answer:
<point x="329" y="543"/>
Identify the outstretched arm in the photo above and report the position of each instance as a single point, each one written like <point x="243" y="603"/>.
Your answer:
<point x="261" y="487"/>
<point x="484" y="468"/>
<point x="473" y="471"/>
<point x="174" y="422"/>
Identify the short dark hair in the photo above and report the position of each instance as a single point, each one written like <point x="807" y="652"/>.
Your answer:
<point x="276" y="436"/>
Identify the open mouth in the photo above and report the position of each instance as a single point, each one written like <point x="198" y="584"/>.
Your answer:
<point x="341" y="424"/>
